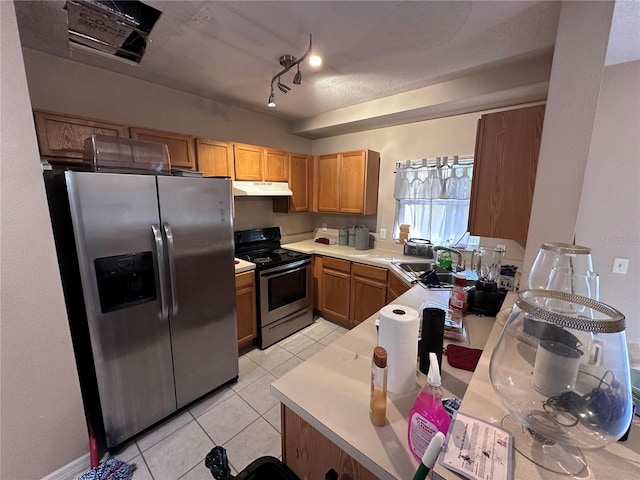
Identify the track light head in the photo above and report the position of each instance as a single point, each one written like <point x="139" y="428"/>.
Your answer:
<point x="282" y="87"/>
<point x="271" y="103"/>
<point x="297" y="79"/>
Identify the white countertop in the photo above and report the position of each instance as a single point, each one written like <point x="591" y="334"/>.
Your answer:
<point x="376" y="257"/>
<point x="330" y="391"/>
<point x="244" y="266"/>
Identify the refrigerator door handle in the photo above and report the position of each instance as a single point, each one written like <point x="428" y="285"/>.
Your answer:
<point x="157" y="237"/>
<point x="172" y="268"/>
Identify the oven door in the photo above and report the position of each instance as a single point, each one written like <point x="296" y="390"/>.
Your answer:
<point x="284" y="290"/>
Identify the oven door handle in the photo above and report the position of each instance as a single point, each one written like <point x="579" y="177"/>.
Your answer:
<point x="286" y="269"/>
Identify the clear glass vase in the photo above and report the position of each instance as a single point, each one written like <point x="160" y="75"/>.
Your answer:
<point x="563" y="373"/>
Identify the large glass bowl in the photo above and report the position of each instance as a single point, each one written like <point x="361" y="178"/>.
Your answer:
<point x="563" y="373"/>
<point x="551" y="255"/>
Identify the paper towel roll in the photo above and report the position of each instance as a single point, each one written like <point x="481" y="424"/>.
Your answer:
<point x="398" y="334"/>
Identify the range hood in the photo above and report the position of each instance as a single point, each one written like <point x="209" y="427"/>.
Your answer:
<point x="261" y="189"/>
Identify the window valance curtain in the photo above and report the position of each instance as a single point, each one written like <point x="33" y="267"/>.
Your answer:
<point x="439" y="178"/>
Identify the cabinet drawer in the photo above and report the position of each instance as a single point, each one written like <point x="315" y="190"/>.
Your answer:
<point x="336" y="264"/>
<point x="245" y="279"/>
<point x="368" y="271"/>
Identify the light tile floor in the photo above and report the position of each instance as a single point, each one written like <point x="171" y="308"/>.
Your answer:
<point x="242" y="417"/>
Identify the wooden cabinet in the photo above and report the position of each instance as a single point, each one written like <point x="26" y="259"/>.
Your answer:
<point x="181" y="151"/>
<point x="395" y="287"/>
<point x="327" y="183"/>
<point x="246" y="308"/>
<point x="257" y="164"/>
<point x="248" y="162"/>
<point x="276" y="166"/>
<point x="335" y="284"/>
<point x="299" y="184"/>
<point x="347" y="292"/>
<point x="215" y="158"/>
<point x="311" y="455"/>
<point x="504" y="173"/>
<point x="347" y="182"/>
<point x="368" y="291"/>
<point x="61" y="137"/>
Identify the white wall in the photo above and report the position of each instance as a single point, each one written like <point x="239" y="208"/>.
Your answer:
<point x="43" y="426"/>
<point x="609" y="215"/>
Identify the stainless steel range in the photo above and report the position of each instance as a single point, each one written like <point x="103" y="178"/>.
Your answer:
<point x="284" y="283"/>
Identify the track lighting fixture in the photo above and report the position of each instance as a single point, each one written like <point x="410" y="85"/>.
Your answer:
<point x="288" y="62"/>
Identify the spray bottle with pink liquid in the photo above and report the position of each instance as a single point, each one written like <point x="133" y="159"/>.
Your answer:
<point x="427" y="416"/>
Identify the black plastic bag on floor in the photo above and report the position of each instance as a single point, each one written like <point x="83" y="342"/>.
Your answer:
<point x="218" y="463"/>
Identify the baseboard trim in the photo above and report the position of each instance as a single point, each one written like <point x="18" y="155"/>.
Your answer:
<point x="72" y="470"/>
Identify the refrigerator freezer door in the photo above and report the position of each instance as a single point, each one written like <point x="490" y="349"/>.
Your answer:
<point x="112" y="216"/>
<point x="196" y="220"/>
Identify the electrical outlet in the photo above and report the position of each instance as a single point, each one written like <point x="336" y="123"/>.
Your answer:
<point x="383" y="233"/>
<point x="620" y="265"/>
<point x="324" y="227"/>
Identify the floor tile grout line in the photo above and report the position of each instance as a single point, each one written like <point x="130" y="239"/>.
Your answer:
<point x="259" y="417"/>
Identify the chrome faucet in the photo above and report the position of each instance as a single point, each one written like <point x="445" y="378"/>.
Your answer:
<point x="459" y="267"/>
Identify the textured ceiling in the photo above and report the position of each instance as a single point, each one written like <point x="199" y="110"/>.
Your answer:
<point x="229" y="50"/>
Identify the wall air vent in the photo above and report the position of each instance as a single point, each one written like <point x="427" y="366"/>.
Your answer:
<point x="116" y="29"/>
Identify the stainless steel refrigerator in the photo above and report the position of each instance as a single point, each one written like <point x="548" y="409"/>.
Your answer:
<point x="153" y="303"/>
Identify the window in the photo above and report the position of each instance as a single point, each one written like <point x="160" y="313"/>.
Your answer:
<point x="432" y="196"/>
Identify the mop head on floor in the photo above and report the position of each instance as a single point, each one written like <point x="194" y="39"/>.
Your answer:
<point x="110" y="469"/>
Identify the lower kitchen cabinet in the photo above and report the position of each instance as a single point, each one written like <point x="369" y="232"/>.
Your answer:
<point x="368" y="291"/>
<point x="334" y="289"/>
<point x="395" y="287"/>
<point x="246" y="308"/>
<point x="311" y="455"/>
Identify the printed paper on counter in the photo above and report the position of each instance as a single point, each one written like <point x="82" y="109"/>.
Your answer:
<point x="477" y="449"/>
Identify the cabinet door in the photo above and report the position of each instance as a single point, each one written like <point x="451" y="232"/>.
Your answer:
<point x="215" y="158"/>
<point x="311" y="455"/>
<point x="61" y="137"/>
<point x="504" y="173"/>
<point x="326" y="183"/>
<point x="299" y="176"/>
<point x="368" y="291"/>
<point x="336" y="284"/>
<point x="395" y="288"/>
<point x="276" y="166"/>
<point x="246" y="308"/>
<point x="181" y="151"/>
<point x="352" y="182"/>
<point x="248" y="162"/>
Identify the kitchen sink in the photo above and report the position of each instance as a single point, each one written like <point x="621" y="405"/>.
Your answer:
<point x="413" y="271"/>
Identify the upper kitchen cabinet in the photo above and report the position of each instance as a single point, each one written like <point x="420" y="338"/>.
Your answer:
<point x="257" y="164"/>
<point x="215" y="158"/>
<point x="299" y="184"/>
<point x="248" y="162"/>
<point x="61" y="137"/>
<point x="504" y="176"/>
<point x="181" y="151"/>
<point x="276" y="165"/>
<point x="347" y="182"/>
